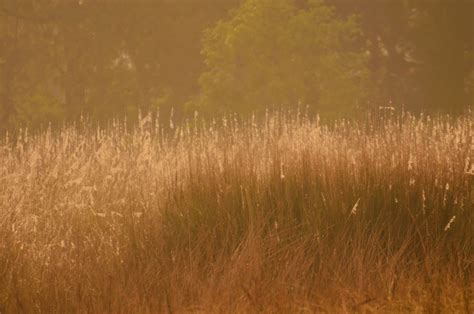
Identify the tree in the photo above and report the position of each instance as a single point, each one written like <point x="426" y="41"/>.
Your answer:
<point x="60" y="59"/>
<point x="273" y="53"/>
<point x="24" y="62"/>
<point x="163" y="42"/>
<point x="421" y="51"/>
<point x="443" y="44"/>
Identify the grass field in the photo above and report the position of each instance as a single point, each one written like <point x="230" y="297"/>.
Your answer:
<point x="284" y="214"/>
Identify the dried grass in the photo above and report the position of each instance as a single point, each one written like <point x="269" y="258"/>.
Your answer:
<point x="278" y="215"/>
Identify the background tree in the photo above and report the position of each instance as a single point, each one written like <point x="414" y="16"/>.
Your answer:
<point x="60" y="59"/>
<point x="442" y="42"/>
<point x="421" y="51"/>
<point x="24" y="59"/>
<point x="272" y="53"/>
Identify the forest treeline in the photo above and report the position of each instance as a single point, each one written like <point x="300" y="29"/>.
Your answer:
<point x="60" y="59"/>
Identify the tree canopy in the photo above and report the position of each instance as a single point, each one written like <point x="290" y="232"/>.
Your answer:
<point x="272" y="53"/>
<point x="60" y="59"/>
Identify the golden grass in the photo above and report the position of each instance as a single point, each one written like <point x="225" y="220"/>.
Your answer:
<point x="278" y="215"/>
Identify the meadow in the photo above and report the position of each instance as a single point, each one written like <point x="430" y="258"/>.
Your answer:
<point x="283" y="214"/>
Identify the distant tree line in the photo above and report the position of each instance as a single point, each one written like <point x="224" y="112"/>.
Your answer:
<point x="103" y="58"/>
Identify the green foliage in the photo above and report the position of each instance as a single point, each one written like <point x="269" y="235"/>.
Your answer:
<point x="38" y="110"/>
<point x="421" y="51"/>
<point x="98" y="58"/>
<point x="60" y="59"/>
<point x="270" y="53"/>
<point x="443" y="40"/>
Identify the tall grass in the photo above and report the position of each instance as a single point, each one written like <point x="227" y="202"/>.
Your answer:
<point x="280" y="215"/>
